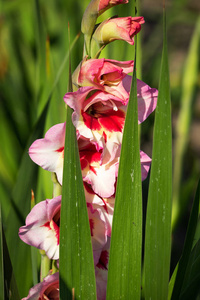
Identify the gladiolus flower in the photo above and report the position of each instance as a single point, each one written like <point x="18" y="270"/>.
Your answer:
<point x="47" y="289"/>
<point x="118" y="29"/>
<point x="42" y="229"/>
<point x="105" y="75"/>
<point x="101" y="116"/>
<point x="50" y="155"/>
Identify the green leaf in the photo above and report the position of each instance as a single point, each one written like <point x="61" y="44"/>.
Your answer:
<point x="189" y="83"/>
<point x="171" y="283"/>
<point x="76" y="259"/>
<point x="76" y="264"/>
<point x="124" y="272"/>
<point x="187" y="247"/>
<point x="1" y="260"/>
<point x="191" y="286"/>
<point x="158" y="220"/>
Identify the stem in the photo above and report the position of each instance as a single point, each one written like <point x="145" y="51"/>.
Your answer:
<point x="45" y="265"/>
<point x="57" y="188"/>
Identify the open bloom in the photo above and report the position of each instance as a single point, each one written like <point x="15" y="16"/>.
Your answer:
<point x="100" y="116"/>
<point x="105" y="75"/>
<point x="42" y="229"/>
<point x="47" y="289"/>
<point x="118" y="29"/>
<point x="50" y="155"/>
<point x="95" y="9"/>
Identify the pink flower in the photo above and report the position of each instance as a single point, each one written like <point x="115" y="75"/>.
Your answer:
<point x="49" y="152"/>
<point x="100" y="116"/>
<point x="95" y="9"/>
<point x="105" y="75"/>
<point x="42" y="229"/>
<point x="47" y="289"/>
<point x="118" y="29"/>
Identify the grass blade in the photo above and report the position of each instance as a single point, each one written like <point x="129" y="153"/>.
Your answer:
<point x="183" y="124"/>
<point x="158" y="220"/>
<point x="76" y="259"/>
<point x="187" y="247"/>
<point x="1" y="260"/>
<point x="191" y="282"/>
<point x="124" y="273"/>
<point x="77" y="278"/>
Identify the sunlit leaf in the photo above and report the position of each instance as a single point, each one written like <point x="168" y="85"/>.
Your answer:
<point x="158" y="220"/>
<point x="124" y="272"/>
<point x="187" y="247"/>
<point x="76" y="265"/>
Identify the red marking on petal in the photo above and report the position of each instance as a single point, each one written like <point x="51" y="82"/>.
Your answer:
<point x="60" y="149"/>
<point x="57" y="231"/>
<point x="90" y="121"/>
<point x="105" y="137"/>
<point x="93" y="170"/>
<point x="113" y="121"/>
<point x="88" y="188"/>
<point x="47" y="224"/>
<point x="103" y="260"/>
<point x="84" y="163"/>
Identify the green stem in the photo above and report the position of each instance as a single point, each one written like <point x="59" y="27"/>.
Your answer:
<point x="57" y="188"/>
<point x="45" y="265"/>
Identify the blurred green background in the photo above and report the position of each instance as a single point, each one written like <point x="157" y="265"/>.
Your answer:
<point x="34" y="45"/>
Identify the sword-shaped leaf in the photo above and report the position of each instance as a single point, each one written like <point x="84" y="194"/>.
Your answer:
<point x="158" y="220"/>
<point x="124" y="272"/>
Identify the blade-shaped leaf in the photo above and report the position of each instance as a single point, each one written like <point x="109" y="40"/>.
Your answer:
<point x="76" y="260"/>
<point x="124" y="272"/>
<point x="77" y="278"/>
<point x="187" y="247"/>
<point x="191" y="286"/>
<point x="190" y="76"/>
<point x="1" y="260"/>
<point x="158" y="220"/>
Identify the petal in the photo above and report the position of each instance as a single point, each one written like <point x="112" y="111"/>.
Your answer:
<point x="40" y="230"/>
<point x="145" y="164"/>
<point x="49" y="151"/>
<point x="147" y="97"/>
<point x="50" y="282"/>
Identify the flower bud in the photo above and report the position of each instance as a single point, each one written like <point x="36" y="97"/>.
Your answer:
<point x="95" y="9"/>
<point x="118" y="29"/>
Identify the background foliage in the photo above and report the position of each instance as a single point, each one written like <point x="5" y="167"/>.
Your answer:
<point x="33" y="47"/>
